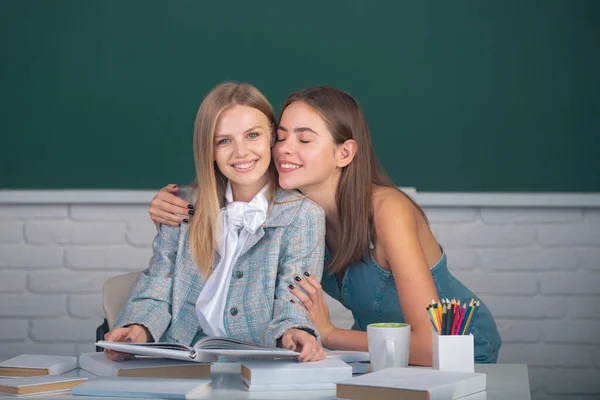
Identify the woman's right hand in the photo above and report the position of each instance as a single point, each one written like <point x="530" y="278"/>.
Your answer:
<point x="303" y="342"/>
<point x="167" y="208"/>
<point x="130" y="334"/>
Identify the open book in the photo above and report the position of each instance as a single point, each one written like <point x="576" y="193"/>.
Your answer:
<point x="207" y="349"/>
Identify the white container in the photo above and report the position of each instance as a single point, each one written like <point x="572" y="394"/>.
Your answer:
<point x="453" y="352"/>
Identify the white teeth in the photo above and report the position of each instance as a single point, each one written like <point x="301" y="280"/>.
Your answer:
<point x="244" y="166"/>
<point x="290" y="166"/>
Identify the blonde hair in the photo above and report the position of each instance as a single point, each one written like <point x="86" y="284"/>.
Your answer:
<point x="210" y="181"/>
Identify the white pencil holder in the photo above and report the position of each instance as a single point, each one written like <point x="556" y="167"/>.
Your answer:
<point x="453" y="352"/>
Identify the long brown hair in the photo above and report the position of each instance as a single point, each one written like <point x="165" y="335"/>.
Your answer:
<point x="210" y="181"/>
<point x="354" y="194"/>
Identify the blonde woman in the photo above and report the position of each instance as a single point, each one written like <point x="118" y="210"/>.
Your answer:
<point x="227" y="271"/>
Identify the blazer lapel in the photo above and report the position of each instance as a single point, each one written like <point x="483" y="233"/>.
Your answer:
<point x="281" y="214"/>
<point x="252" y="240"/>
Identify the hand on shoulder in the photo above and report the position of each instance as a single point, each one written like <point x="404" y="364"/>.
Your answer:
<point x="169" y="209"/>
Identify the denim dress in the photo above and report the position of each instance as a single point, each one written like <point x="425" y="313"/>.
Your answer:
<point x="370" y="293"/>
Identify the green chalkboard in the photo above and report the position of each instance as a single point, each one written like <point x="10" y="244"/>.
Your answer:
<point x="478" y="96"/>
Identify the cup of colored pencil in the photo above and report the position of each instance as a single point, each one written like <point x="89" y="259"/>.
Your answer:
<point x="449" y="317"/>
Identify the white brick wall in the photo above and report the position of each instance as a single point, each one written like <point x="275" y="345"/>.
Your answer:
<point x="538" y="269"/>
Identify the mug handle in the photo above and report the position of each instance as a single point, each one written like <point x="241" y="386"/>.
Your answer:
<point x="390" y="353"/>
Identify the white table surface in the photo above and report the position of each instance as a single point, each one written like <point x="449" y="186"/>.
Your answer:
<point x="504" y="382"/>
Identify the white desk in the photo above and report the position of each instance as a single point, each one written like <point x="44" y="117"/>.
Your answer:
<point x="504" y="382"/>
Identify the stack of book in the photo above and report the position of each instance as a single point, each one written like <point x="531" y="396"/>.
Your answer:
<point x="285" y="375"/>
<point x="144" y="377"/>
<point x="30" y="374"/>
<point x="98" y="364"/>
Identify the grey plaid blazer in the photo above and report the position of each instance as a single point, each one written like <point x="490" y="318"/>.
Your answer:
<point x="258" y="307"/>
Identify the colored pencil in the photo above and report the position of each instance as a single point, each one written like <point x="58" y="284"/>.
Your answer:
<point x="444" y="317"/>
<point x="448" y="314"/>
<point x="448" y="317"/>
<point x="456" y="317"/>
<point x="463" y="321"/>
<point x="473" y="318"/>
<point x="433" y="318"/>
<point x="451" y="317"/>
<point x="468" y="317"/>
<point x="438" y="308"/>
<point x="461" y="317"/>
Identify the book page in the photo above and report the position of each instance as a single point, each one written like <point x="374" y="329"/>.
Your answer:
<point x="177" y="352"/>
<point x="224" y="343"/>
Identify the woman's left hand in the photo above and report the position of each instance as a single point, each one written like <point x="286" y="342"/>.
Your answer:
<point x="303" y="342"/>
<point x="314" y="303"/>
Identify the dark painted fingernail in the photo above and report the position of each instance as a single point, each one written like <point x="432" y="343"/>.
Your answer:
<point x="306" y="274"/>
<point x="191" y="207"/>
<point x="186" y="220"/>
<point x="292" y="287"/>
<point x="297" y="279"/>
<point x="191" y="212"/>
<point x="300" y="359"/>
<point x="128" y="340"/>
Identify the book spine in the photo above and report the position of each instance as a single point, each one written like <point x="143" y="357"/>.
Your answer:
<point x="272" y="376"/>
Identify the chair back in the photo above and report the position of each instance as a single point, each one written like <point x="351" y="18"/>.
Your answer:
<point x="115" y="293"/>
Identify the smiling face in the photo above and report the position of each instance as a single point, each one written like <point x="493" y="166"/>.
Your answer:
<point x="242" y="149"/>
<point x="305" y="153"/>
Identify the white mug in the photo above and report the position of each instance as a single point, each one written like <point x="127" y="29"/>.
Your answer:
<point x="389" y="344"/>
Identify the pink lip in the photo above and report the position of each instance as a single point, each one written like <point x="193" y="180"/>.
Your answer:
<point x="281" y="169"/>
<point x="243" y="171"/>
